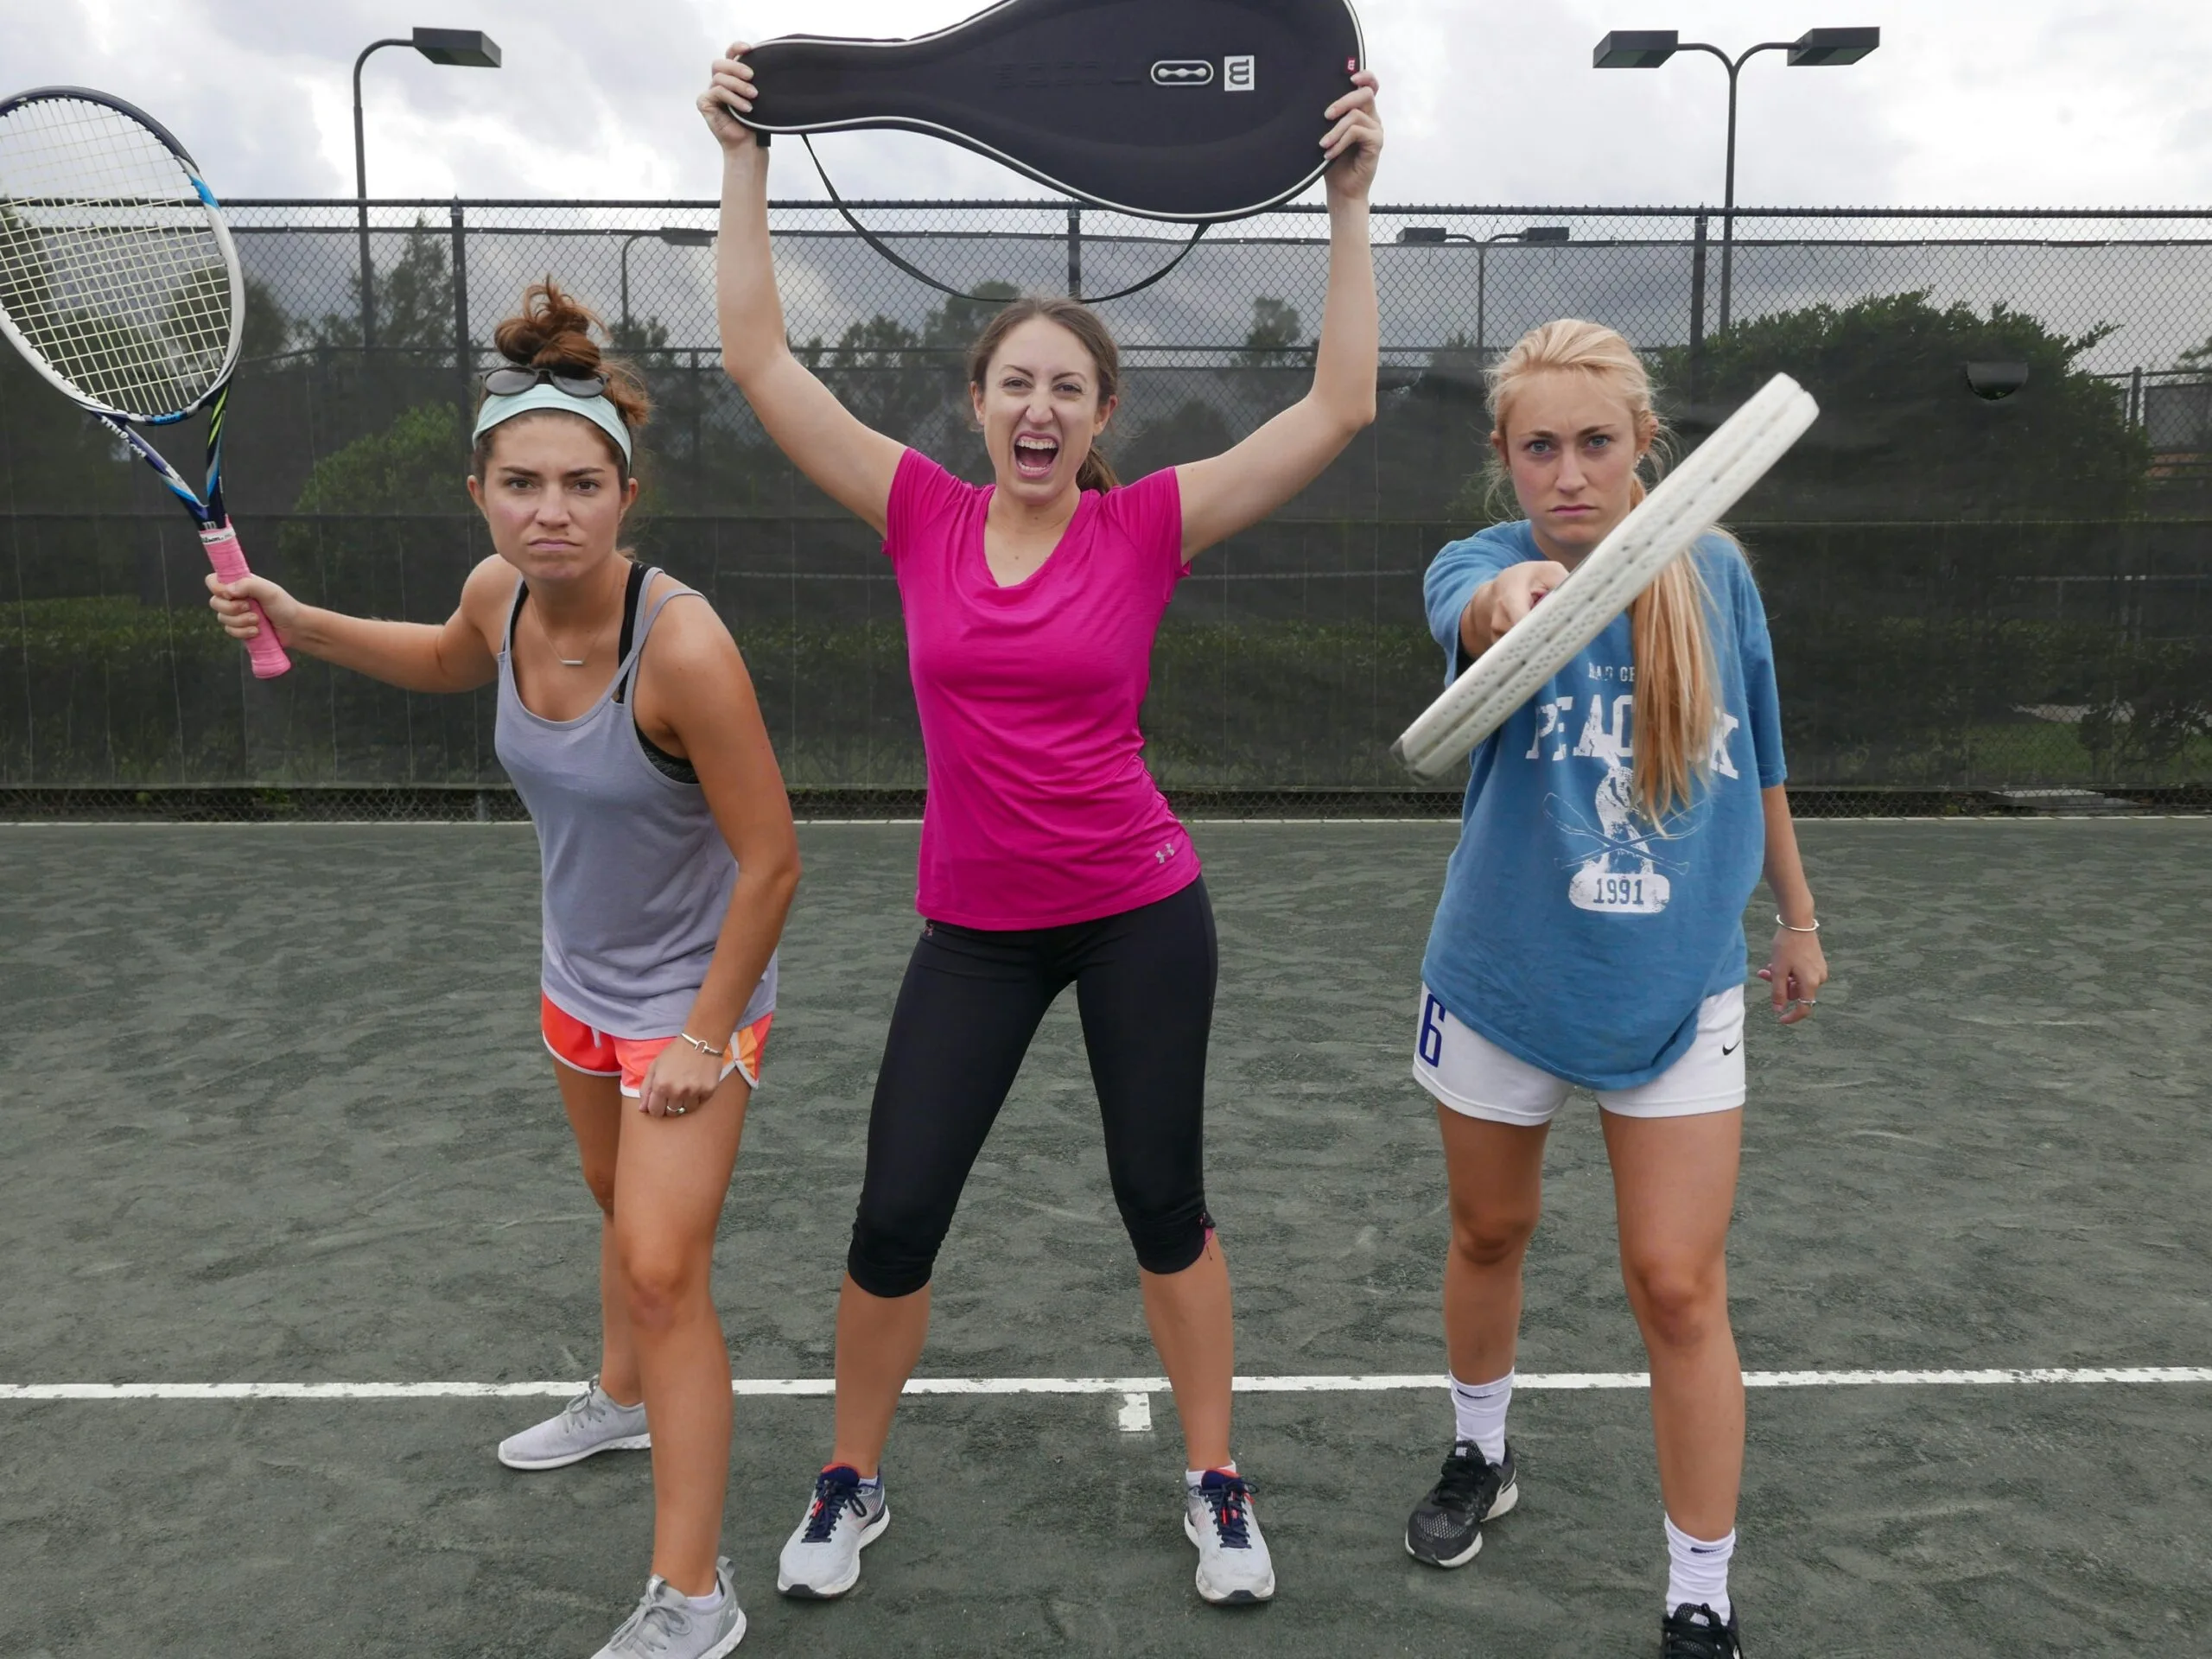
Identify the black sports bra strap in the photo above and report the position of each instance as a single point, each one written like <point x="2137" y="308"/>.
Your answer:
<point x="625" y="670"/>
<point x="631" y="593"/>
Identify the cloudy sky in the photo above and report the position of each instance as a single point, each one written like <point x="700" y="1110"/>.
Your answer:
<point x="1968" y="102"/>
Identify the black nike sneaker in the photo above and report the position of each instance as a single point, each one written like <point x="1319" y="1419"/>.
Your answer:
<point x="1696" y="1632"/>
<point x="1446" y="1526"/>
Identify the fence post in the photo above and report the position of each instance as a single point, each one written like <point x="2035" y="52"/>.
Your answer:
<point x="1697" y="310"/>
<point x="461" y="360"/>
<point x="1075" y="253"/>
<point x="698" y="400"/>
<point x="2136" y="415"/>
<point x="368" y="286"/>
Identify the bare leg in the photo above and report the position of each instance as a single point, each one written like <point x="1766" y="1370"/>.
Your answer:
<point x="879" y="1344"/>
<point x="1189" y="1313"/>
<point x="1673" y="1187"/>
<point x="1495" y="1173"/>
<point x="595" y="1108"/>
<point x="669" y="1184"/>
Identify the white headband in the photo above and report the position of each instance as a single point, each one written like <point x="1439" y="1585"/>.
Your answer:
<point x="599" y="412"/>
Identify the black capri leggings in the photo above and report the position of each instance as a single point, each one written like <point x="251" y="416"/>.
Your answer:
<point x="971" y="1002"/>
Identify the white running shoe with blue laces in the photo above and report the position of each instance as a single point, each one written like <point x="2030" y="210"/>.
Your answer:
<point x="1233" y="1562"/>
<point x="822" y="1558"/>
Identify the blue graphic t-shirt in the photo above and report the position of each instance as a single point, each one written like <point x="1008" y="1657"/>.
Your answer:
<point x="1572" y="931"/>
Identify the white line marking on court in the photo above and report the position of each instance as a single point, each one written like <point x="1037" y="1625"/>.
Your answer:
<point x="1134" y="1389"/>
<point x="1136" y="1414"/>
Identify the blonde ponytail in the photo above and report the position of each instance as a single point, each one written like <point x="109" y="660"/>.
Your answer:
<point x="1677" y="683"/>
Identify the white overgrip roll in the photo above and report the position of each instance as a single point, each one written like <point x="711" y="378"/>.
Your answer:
<point x="1685" y="504"/>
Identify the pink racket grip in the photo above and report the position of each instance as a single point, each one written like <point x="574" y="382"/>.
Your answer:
<point x="264" y="648"/>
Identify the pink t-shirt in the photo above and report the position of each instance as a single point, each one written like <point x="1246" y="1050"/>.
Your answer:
<point x="1040" y="811"/>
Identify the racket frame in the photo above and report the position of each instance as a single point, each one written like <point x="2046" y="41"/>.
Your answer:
<point x="205" y="504"/>
<point x="1683" y="506"/>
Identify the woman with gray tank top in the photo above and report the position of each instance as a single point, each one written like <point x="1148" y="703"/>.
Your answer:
<point x="629" y="726"/>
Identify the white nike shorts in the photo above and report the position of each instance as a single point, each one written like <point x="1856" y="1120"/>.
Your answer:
<point x="1474" y="1076"/>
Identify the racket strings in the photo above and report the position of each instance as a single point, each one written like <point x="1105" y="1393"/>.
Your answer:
<point x="110" y="267"/>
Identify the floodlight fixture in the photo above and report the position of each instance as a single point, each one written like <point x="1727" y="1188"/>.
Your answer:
<point x="1547" y="235"/>
<point x="464" y="48"/>
<point x="1423" y="236"/>
<point x="1636" y="48"/>
<point x="1817" y="48"/>
<point x="458" y="48"/>
<point x="678" y="238"/>
<point x="1824" y="48"/>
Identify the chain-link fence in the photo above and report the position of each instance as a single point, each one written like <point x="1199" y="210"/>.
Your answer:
<point x="1967" y="594"/>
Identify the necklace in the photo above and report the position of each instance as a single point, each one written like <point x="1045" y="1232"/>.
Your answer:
<point x="570" y="662"/>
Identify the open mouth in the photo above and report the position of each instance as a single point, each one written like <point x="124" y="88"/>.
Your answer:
<point x="1034" y="455"/>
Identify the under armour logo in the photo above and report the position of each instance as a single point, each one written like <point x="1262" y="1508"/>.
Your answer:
<point x="1164" y="854"/>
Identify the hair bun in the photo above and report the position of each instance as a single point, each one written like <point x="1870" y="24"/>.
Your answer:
<point x="554" y="331"/>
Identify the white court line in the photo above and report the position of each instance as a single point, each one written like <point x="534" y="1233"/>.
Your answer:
<point x="1569" y="1381"/>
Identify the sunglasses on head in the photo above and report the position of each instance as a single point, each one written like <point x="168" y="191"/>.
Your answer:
<point x="513" y="380"/>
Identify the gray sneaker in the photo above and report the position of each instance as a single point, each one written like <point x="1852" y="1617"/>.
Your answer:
<point x="1233" y="1562"/>
<point x="822" y="1558"/>
<point x="588" y="1424"/>
<point x="665" y="1626"/>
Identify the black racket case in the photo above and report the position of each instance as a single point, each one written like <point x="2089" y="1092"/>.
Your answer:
<point x="1190" y="109"/>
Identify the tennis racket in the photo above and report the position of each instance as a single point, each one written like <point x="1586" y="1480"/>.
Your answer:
<point x="119" y="283"/>
<point x="1687" y="502"/>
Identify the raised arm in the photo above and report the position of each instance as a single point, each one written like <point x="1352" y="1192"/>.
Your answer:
<point x="849" y="462"/>
<point x="1233" y="492"/>
<point x="455" y="655"/>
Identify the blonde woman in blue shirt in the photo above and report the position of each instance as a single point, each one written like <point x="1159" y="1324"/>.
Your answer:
<point x="1591" y="933"/>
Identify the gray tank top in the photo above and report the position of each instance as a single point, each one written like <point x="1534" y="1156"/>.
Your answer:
<point x="637" y="876"/>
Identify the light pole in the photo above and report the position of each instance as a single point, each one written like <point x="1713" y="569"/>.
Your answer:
<point x="1817" y="48"/>
<point x="467" y="48"/>
<point x="1533" y="235"/>
<point x="673" y="236"/>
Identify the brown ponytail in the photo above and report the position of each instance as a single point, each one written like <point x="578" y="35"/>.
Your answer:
<point x="1677" y="683"/>
<point x="554" y="331"/>
<point x="1097" y="473"/>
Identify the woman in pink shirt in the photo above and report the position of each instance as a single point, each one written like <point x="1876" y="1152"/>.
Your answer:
<point x="1048" y="857"/>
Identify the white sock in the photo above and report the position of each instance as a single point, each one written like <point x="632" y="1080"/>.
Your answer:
<point x="707" y="1604"/>
<point x="1192" y="1477"/>
<point x="1479" y="1409"/>
<point x="1697" y="1571"/>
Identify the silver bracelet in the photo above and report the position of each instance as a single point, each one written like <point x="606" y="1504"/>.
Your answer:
<point x="1786" y="928"/>
<point x="704" y="1048"/>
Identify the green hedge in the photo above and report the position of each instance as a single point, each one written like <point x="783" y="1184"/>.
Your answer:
<point x="110" y="691"/>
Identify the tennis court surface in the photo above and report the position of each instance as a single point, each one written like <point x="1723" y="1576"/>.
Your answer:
<point x="278" y="1115"/>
